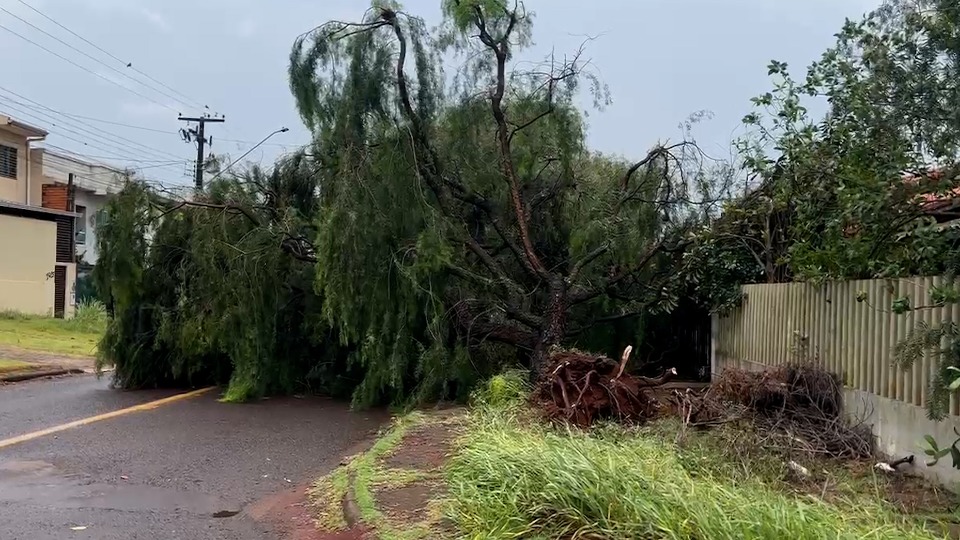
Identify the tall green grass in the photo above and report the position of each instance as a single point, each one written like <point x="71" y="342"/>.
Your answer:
<point x="90" y="316"/>
<point x="517" y="479"/>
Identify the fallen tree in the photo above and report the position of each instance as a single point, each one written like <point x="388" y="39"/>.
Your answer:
<point x="500" y="218"/>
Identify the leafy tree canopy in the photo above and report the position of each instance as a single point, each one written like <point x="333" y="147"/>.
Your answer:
<point x="469" y="210"/>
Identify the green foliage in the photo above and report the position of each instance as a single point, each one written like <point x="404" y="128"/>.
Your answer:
<point x="215" y="291"/>
<point x="503" y="391"/>
<point x="89" y="316"/>
<point x="514" y="479"/>
<point x="929" y="339"/>
<point x="86" y="289"/>
<point x="846" y="196"/>
<point x="453" y="217"/>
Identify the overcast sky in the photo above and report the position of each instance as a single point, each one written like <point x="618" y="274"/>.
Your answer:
<point x="662" y="60"/>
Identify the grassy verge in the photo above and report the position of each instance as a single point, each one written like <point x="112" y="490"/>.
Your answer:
<point x="364" y="475"/>
<point x="78" y="336"/>
<point x="516" y="478"/>
<point x="10" y="366"/>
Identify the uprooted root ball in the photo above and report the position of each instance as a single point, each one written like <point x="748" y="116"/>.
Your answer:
<point x="582" y="388"/>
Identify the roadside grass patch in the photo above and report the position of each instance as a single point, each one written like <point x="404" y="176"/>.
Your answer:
<point x="366" y="475"/>
<point x="739" y="451"/>
<point x="10" y="366"/>
<point x="75" y="337"/>
<point x="517" y="478"/>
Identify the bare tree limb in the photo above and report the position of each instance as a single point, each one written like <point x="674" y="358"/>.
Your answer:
<point x="499" y="49"/>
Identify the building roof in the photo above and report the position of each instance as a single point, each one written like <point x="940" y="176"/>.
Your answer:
<point x="97" y="178"/>
<point x="38" y="212"/>
<point x="23" y="129"/>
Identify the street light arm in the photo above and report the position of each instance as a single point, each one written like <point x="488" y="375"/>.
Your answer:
<point x="245" y="154"/>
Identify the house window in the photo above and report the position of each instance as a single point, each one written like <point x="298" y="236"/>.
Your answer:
<point x="8" y="161"/>
<point x="81" y="226"/>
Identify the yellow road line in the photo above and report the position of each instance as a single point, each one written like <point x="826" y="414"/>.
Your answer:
<point x="105" y="416"/>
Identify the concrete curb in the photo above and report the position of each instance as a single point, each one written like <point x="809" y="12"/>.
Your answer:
<point x="29" y="375"/>
<point x="351" y="512"/>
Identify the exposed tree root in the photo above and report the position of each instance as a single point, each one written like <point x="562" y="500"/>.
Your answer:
<point x="582" y="388"/>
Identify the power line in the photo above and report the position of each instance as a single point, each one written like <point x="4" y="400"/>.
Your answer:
<point x="127" y="64"/>
<point x="127" y="173"/>
<point x="113" y="171"/>
<point x="264" y="144"/>
<point x="89" y="160"/>
<point x="145" y="128"/>
<point x="118" y="144"/>
<point x="64" y="128"/>
<point x="91" y="57"/>
<point x="165" y="132"/>
<point x="110" y="150"/>
<point x="98" y="133"/>
<point x="92" y="119"/>
<point x="88" y="70"/>
<point x="84" y="157"/>
<point x="245" y="154"/>
<point x="121" y="124"/>
<point x="97" y="60"/>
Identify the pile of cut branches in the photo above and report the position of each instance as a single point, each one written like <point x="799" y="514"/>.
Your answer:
<point x="797" y="407"/>
<point x="582" y="388"/>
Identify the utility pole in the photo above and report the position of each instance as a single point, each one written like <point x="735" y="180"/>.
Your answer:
<point x="198" y="135"/>
<point x="72" y="207"/>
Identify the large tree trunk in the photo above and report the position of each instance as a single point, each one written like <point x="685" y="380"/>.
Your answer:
<point x="554" y="328"/>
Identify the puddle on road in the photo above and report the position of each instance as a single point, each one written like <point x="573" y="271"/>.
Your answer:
<point x="42" y="484"/>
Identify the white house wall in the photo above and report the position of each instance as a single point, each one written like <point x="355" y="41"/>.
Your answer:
<point x="94" y="184"/>
<point x="87" y="250"/>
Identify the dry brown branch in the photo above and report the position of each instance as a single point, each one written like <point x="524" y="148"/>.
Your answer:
<point x="798" y="408"/>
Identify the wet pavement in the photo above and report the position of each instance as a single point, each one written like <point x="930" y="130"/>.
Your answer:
<point x="192" y="469"/>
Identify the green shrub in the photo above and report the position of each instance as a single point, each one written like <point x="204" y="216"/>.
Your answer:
<point x="90" y="316"/>
<point x="504" y="390"/>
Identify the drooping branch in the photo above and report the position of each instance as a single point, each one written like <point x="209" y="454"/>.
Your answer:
<point x="299" y="247"/>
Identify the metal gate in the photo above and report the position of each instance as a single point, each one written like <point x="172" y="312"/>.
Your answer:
<point x="59" y="291"/>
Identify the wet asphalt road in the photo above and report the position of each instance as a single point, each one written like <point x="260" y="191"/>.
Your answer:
<point x="162" y="473"/>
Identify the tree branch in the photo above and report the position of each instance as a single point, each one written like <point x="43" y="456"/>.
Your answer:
<point x="579" y="297"/>
<point x="586" y="260"/>
<point x="507" y="166"/>
<point x="610" y="318"/>
<point x="479" y="327"/>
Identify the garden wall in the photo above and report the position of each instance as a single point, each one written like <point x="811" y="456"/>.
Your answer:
<point x="850" y="329"/>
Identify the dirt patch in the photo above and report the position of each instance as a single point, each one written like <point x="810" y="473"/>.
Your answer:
<point x="408" y="503"/>
<point x="908" y="493"/>
<point x="287" y="512"/>
<point x="47" y="360"/>
<point x="424" y="448"/>
<point x="356" y="533"/>
<point x="289" y="516"/>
